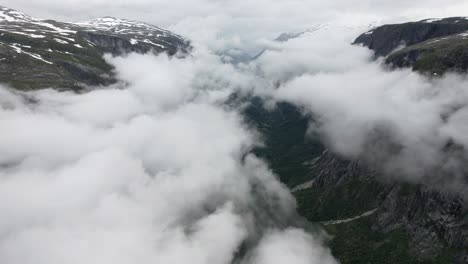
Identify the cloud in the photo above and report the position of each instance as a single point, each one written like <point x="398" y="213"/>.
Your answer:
<point x="398" y="120"/>
<point x="228" y="24"/>
<point x="292" y="246"/>
<point x="156" y="172"/>
<point x="155" y="168"/>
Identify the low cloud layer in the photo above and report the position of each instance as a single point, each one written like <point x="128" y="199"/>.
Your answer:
<point x="152" y="173"/>
<point x="156" y="168"/>
<point x="410" y="125"/>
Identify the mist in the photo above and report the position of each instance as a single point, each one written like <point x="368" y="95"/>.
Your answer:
<point x="399" y="121"/>
<point x="151" y="170"/>
<point x="157" y="168"/>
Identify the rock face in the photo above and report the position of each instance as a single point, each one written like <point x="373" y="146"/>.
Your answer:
<point x="402" y="222"/>
<point x="431" y="46"/>
<point x="432" y="218"/>
<point x="414" y="221"/>
<point x="385" y="39"/>
<point x="434" y="56"/>
<point x="37" y="53"/>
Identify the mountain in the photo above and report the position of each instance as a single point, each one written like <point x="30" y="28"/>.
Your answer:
<point x="431" y="46"/>
<point x="372" y="221"/>
<point x="37" y="53"/>
<point x="287" y="36"/>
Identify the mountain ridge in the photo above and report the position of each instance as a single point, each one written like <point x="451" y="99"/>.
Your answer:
<point x="63" y="54"/>
<point x="432" y="46"/>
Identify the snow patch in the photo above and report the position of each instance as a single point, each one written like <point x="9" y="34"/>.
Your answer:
<point x="27" y="34"/>
<point x="152" y="43"/>
<point x="61" y="41"/>
<point x="54" y="28"/>
<point x="33" y="55"/>
<point x="431" y="20"/>
<point x="11" y="15"/>
<point x="69" y="39"/>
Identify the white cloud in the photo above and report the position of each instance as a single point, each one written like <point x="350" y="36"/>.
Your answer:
<point x="398" y="119"/>
<point x="291" y="246"/>
<point x="155" y="172"/>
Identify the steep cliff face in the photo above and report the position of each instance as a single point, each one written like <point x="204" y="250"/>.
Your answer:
<point x="432" y="46"/>
<point x="434" y="56"/>
<point x="433" y="219"/>
<point x="385" y="39"/>
<point x="37" y="53"/>
<point x="372" y="217"/>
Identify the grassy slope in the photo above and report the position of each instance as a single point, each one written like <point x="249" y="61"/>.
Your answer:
<point x="437" y="55"/>
<point x="27" y="73"/>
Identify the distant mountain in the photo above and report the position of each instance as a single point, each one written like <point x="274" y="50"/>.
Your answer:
<point x="36" y="53"/>
<point x="431" y="46"/>
<point x="287" y="36"/>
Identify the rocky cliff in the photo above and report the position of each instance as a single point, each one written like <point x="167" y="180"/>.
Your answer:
<point x="431" y="46"/>
<point x="373" y="219"/>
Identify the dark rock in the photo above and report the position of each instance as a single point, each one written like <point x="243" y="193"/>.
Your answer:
<point x="435" y="221"/>
<point x="385" y="39"/>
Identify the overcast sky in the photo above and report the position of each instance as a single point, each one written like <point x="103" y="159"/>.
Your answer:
<point x="242" y="21"/>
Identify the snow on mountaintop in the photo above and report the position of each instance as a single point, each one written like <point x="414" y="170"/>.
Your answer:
<point x="71" y="54"/>
<point x="132" y="33"/>
<point x="142" y="32"/>
<point x="10" y="15"/>
<point x="452" y="20"/>
<point x="112" y="23"/>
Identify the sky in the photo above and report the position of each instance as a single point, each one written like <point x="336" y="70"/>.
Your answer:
<point x="242" y="23"/>
<point x="155" y="169"/>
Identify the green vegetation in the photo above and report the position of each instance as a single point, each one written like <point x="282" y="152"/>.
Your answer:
<point x="287" y="149"/>
<point x="435" y="56"/>
<point x="356" y="243"/>
<point x="70" y="66"/>
<point x="349" y="191"/>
